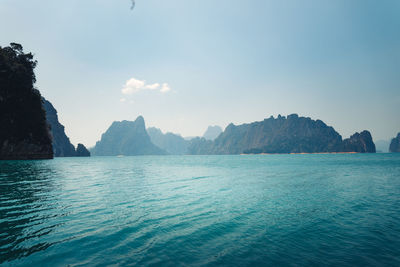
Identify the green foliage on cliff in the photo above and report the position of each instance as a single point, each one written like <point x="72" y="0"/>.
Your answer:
<point x="24" y="133"/>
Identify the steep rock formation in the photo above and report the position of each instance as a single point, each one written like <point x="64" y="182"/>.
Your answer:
<point x="212" y="132"/>
<point x="62" y="147"/>
<point x="172" y="143"/>
<point x="293" y="134"/>
<point x="24" y="132"/>
<point x="81" y="151"/>
<point x="126" y="138"/>
<point x="395" y="144"/>
<point x="359" y="142"/>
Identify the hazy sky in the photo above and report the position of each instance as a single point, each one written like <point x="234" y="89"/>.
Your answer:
<point x="187" y="64"/>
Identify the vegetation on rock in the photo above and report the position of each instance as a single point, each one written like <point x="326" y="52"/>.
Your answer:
<point x="24" y="132"/>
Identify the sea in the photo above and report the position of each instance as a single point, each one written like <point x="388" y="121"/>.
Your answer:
<point x="236" y="210"/>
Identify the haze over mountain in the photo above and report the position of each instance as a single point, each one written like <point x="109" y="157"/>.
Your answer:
<point x="172" y="143"/>
<point x="293" y="134"/>
<point x="382" y="146"/>
<point x="126" y="138"/>
<point x="212" y="132"/>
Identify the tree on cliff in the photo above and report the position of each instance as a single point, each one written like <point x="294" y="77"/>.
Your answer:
<point x="24" y="132"/>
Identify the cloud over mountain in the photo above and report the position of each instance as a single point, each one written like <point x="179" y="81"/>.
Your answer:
<point x="134" y="85"/>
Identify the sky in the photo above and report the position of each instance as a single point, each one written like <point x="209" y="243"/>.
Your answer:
<point x="187" y="64"/>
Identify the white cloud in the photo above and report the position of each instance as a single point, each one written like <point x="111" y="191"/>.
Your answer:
<point x="165" y="88"/>
<point x="153" y="86"/>
<point x="122" y="100"/>
<point x="133" y="86"/>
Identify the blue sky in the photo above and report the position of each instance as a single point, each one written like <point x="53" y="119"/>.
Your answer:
<point x="187" y="64"/>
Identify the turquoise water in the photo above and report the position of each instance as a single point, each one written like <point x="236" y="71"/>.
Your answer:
<point x="202" y="210"/>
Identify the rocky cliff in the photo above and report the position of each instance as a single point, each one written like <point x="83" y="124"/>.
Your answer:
<point x="81" y="151"/>
<point x="360" y="143"/>
<point x="126" y="138"/>
<point x="62" y="147"/>
<point x="395" y="144"/>
<point x="172" y="143"/>
<point x="291" y="134"/>
<point x="24" y="132"/>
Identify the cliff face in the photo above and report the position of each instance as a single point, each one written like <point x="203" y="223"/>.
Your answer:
<point x="395" y="144"/>
<point x="81" y="151"/>
<point x="359" y="142"/>
<point x="24" y="132"/>
<point x="62" y="147"/>
<point x="126" y="138"/>
<point x="212" y="132"/>
<point x="172" y="143"/>
<point x="293" y="134"/>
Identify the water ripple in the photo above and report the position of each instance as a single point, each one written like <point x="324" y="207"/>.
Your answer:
<point x="201" y="210"/>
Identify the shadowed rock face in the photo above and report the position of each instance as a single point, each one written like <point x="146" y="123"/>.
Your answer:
<point x="126" y="138"/>
<point x="293" y="134"/>
<point x="81" y="151"/>
<point x="24" y="132"/>
<point x="359" y="142"/>
<point x="395" y="144"/>
<point x="62" y="147"/>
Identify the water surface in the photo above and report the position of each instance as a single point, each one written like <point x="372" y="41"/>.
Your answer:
<point x="202" y="210"/>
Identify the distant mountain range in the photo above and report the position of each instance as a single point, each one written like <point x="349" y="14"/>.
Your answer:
<point x="291" y="134"/>
<point x="30" y="128"/>
<point x="173" y="144"/>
